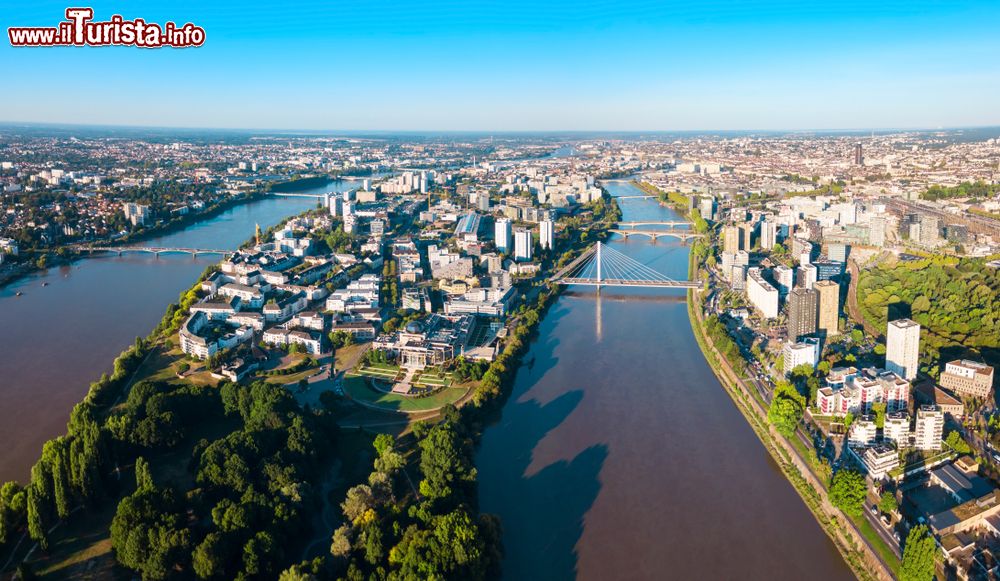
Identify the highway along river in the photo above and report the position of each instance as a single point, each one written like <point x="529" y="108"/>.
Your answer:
<point x="619" y="455"/>
<point x="56" y="339"/>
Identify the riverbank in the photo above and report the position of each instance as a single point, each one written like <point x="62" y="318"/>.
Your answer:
<point x="863" y="560"/>
<point x="62" y="256"/>
<point x="78" y="545"/>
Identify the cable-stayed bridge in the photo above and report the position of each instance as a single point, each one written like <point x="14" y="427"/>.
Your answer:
<point x="601" y="265"/>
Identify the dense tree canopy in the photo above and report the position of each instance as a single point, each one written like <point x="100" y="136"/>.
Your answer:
<point x="956" y="302"/>
<point x="847" y="491"/>
<point x="918" y="555"/>
<point x="786" y="409"/>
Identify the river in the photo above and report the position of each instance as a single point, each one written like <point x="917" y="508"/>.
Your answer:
<point x="58" y="338"/>
<point x="619" y="455"/>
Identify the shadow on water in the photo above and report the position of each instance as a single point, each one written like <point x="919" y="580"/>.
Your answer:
<point x="551" y="501"/>
<point x="542" y="507"/>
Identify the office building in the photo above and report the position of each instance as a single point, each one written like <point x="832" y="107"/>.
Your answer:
<point x="501" y="235"/>
<point x="968" y="378"/>
<point x="929" y="428"/>
<point x="803" y="305"/>
<point x="802" y="246"/>
<point x="902" y="348"/>
<point x="546" y="234"/>
<point x="828" y="321"/>
<point x="522" y="245"/>
<point x="859" y="158"/>
<point x="761" y="294"/>
<point x="828" y="269"/>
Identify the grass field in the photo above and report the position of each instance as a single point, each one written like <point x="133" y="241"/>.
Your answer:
<point x="433" y="379"/>
<point x="379" y="371"/>
<point x="358" y="389"/>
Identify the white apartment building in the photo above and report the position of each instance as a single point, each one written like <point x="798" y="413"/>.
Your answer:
<point x="879" y="461"/>
<point x="502" y="234"/>
<point x="902" y="348"/>
<point x="808" y="274"/>
<point x="522" y="245"/>
<point x="863" y="431"/>
<point x="762" y="294"/>
<point x="929" y="428"/>
<point x="547" y="234"/>
<point x="848" y="391"/>
<point x="768" y="234"/>
<point x="784" y="277"/>
<point x="805" y="352"/>
<point x="897" y="428"/>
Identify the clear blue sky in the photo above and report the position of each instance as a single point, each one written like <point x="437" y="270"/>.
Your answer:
<point x="522" y="65"/>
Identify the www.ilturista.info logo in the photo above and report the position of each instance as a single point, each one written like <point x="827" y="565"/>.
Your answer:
<point x="79" y="29"/>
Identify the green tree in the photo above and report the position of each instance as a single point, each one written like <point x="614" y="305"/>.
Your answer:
<point x="786" y="409"/>
<point x="444" y="462"/>
<point x="209" y="558"/>
<point x="36" y="514"/>
<point x="957" y="443"/>
<point x="847" y="491"/>
<point x="887" y="502"/>
<point x="143" y="475"/>
<point x="13" y="507"/>
<point x="878" y="408"/>
<point x="149" y="535"/>
<point x="918" y="555"/>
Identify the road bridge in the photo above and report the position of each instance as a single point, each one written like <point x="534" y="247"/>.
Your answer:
<point x="654" y="234"/>
<point x="601" y="265"/>
<point x="157" y="250"/>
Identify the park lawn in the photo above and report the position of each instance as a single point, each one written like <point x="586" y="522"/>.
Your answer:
<point x="433" y="379"/>
<point x="291" y="378"/>
<point x="347" y="357"/>
<point x="359" y="390"/>
<point x="81" y="548"/>
<point x="385" y="366"/>
<point x="379" y="372"/>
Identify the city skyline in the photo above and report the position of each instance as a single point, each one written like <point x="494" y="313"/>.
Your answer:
<point x="591" y="67"/>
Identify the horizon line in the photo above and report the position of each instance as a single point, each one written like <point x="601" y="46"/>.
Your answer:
<point x="348" y="132"/>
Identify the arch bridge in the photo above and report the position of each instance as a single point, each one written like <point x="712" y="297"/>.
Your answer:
<point x="155" y="250"/>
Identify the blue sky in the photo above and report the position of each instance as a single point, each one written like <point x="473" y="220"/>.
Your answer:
<point x="522" y="65"/>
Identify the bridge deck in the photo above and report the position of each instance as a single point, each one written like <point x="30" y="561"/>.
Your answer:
<point x="635" y="283"/>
